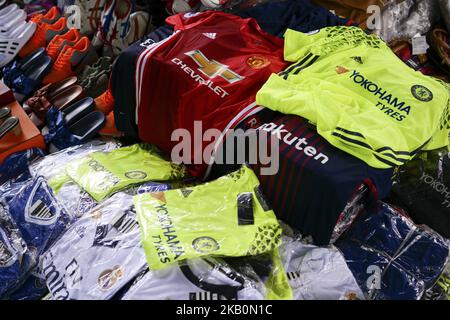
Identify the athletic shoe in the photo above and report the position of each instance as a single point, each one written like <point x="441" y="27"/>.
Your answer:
<point x="72" y="60"/>
<point x="44" y="33"/>
<point x="50" y="17"/>
<point x="180" y="6"/>
<point x="115" y="25"/>
<point x="105" y="102"/>
<point x="58" y="42"/>
<point x="138" y="28"/>
<point x="101" y="65"/>
<point x="95" y="85"/>
<point x="40" y="7"/>
<point x="16" y="40"/>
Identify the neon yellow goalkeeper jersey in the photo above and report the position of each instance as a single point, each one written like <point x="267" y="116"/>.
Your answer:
<point x="361" y="97"/>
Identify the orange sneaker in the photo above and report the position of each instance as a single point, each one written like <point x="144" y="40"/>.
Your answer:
<point x="105" y="102"/>
<point x="58" y="42"/>
<point x="43" y="34"/>
<point x="50" y="17"/>
<point x="71" y="61"/>
<point x="110" y="127"/>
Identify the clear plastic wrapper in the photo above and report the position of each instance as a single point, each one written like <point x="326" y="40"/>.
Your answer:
<point x="318" y="273"/>
<point x="196" y="279"/>
<point x="39" y="216"/>
<point x="52" y="164"/>
<point x="206" y="219"/>
<point x="422" y="187"/>
<point x="75" y="200"/>
<point x="104" y="173"/>
<point x="406" y="19"/>
<point x="17" y="164"/>
<point x="351" y="211"/>
<point x="15" y="257"/>
<point x="59" y="135"/>
<point x="99" y="254"/>
<point x="392" y="258"/>
<point x="243" y="278"/>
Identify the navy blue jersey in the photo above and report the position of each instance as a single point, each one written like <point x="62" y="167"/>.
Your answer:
<point x="315" y="180"/>
<point x="390" y="257"/>
<point x="39" y="216"/>
<point x="299" y="15"/>
<point x="122" y="81"/>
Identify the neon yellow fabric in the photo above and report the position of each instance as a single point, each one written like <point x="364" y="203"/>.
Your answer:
<point x="204" y="220"/>
<point x="103" y="173"/>
<point x="360" y="96"/>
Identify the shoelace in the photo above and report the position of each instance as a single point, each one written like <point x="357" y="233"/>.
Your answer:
<point x="63" y="59"/>
<point x="54" y="46"/>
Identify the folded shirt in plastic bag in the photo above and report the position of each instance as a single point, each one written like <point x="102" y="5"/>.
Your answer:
<point x="67" y="192"/>
<point x="214" y="279"/>
<point x="99" y="254"/>
<point x="38" y="215"/>
<point x="196" y="279"/>
<point x="318" y="273"/>
<point x="17" y="164"/>
<point x="103" y="173"/>
<point x="402" y="20"/>
<point x="422" y="187"/>
<point x="15" y="257"/>
<point x="391" y="257"/>
<point x="225" y="217"/>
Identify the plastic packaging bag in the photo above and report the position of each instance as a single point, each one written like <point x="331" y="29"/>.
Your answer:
<point x="391" y="257"/>
<point x="15" y="257"/>
<point x="318" y="273"/>
<point x="17" y="164"/>
<point x="103" y="173"/>
<point x="226" y="217"/>
<point x="422" y="187"/>
<point x="404" y="20"/>
<point x="98" y="255"/>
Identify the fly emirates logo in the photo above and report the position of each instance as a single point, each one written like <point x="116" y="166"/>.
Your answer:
<point x="210" y="69"/>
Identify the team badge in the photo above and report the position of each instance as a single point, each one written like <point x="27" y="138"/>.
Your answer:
<point x="421" y="93"/>
<point x="205" y="245"/>
<point x="108" y="278"/>
<point x="137" y="175"/>
<point x="40" y="208"/>
<point x="258" y="62"/>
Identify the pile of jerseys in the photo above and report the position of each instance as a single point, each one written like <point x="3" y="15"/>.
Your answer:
<point x="312" y="181"/>
<point x="208" y="67"/>
<point x="48" y="197"/>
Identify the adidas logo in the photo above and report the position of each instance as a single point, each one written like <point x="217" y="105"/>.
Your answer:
<point x="210" y="35"/>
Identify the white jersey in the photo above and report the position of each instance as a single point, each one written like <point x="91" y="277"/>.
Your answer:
<point x="98" y="255"/>
<point x="197" y="279"/>
<point x="318" y="273"/>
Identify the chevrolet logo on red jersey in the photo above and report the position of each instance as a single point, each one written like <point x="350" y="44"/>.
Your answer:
<point x="212" y="68"/>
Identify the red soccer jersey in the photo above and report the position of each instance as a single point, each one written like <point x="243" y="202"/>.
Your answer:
<point x="209" y="70"/>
